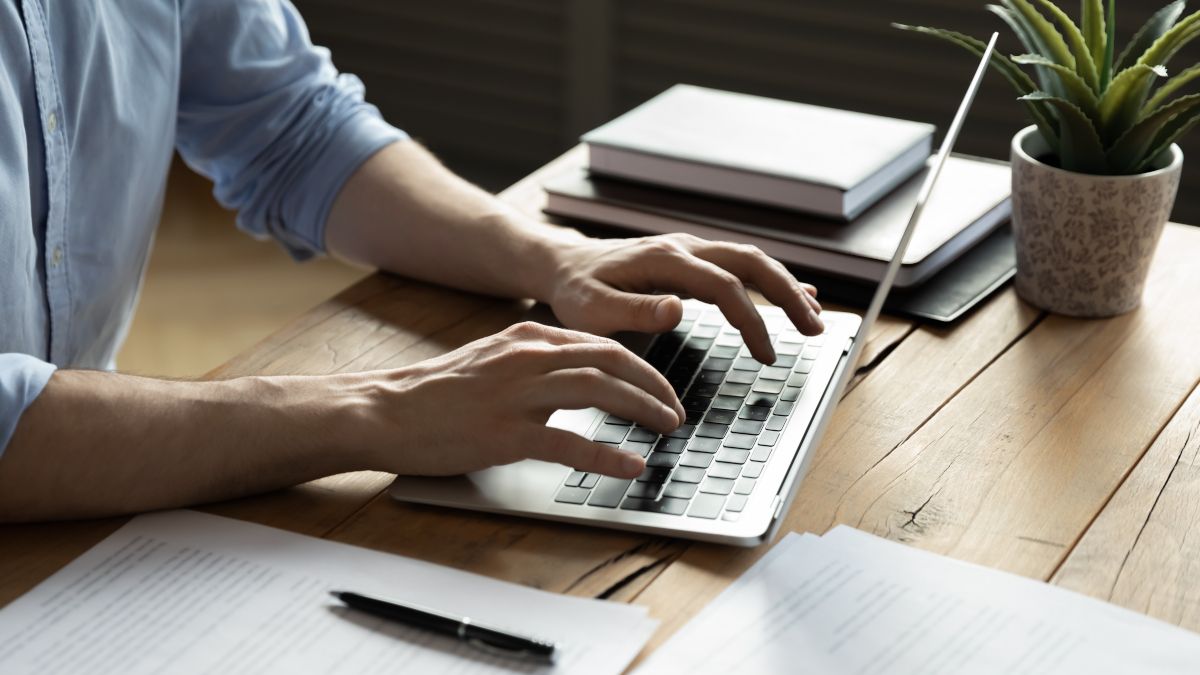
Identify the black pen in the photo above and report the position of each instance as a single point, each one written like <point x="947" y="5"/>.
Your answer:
<point x="490" y="640"/>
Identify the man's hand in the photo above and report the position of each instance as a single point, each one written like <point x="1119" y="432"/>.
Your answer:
<point x="604" y="286"/>
<point x="487" y="403"/>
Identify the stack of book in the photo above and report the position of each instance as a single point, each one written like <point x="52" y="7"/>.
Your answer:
<point x="828" y="191"/>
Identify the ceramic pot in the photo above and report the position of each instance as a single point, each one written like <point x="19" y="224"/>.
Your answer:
<point x="1085" y="242"/>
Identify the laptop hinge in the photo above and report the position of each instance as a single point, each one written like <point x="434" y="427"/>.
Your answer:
<point x="777" y="507"/>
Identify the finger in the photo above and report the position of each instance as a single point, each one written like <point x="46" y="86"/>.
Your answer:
<point x="619" y="362"/>
<point x="768" y="275"/>
<point x="702" y="279"/>
<point x="593" y="388"/>
<point x="612" y="310"/>
<point x="564" y="447"/>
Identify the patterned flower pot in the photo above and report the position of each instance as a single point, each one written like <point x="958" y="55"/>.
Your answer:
<point x="1085" y="242"/>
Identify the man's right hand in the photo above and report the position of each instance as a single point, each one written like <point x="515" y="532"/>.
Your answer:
<point x="487" y="404"/>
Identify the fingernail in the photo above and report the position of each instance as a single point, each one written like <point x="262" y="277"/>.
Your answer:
<point x="817" y="322"/>
<point x="681" y="414"/>
<point x="662" y="313"/>
<point x="631" y="462"/>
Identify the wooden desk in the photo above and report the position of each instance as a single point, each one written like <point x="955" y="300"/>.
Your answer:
<point x="1061" y="449"/>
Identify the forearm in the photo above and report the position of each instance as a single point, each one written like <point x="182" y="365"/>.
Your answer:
<point x="96" y="444"/>
<point x="404" y="212"/>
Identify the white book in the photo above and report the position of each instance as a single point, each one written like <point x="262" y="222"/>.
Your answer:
<point x="809" y="158"/>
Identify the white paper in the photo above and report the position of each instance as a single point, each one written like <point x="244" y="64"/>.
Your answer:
<point x="853" y="603"/>
<point x="186" y="592"/>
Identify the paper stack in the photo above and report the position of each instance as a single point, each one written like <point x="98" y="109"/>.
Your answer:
<point x="849" y="602"/>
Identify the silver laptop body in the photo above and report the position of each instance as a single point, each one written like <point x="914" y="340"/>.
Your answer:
<point x="741" y="493"/>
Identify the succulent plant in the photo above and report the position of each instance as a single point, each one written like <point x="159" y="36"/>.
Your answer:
<point x="1098" y="114"/>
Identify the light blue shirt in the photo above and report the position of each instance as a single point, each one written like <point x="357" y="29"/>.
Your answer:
<point x="95" y="95"/>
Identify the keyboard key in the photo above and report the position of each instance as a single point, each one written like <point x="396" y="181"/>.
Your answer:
<point x="788" y="349"/>
<point x="613" y="419"/>
<point x="774" y="373"/>
<point x="736" y="503"/>
<point x="709" y="430"/>
<point x="727" y="350"/>
<point x="732" y="456"/>
<point x="711" y="377"/>
<point x="679" y="490"/>
<point x="642" y="449"/>
<point x="709" y="445"/>
<point x="736" y="390"/>
<point x="695" y="403"/>
<point x="748" y="426"/>
<point x="687" y="474"/>
<point x="720" y="417"/>
<point x="776" y="423"/>
<point x="610" y="433"/>
<point x="790" y="394"/>
<point x="706" y="330"/>
<point x="572" y="495"/>
<point x="642" y="435"/>
<point x="696" y="344"/>
<point x="574" y="479"/>
<point x="698" y="460"/>
<point x="726" y="402"/>
<point x="674" y="507"/>
<point x="810" y="352"/>
<point x="792" y="336"/>
<point x="590" y="480"/>
<point x="717" y="486"/>
<point x="654" y="474"/>
<point x="760" y="399"/>
<point x="706" y="506"/>
<point x="803" y="367"/>
<point x="745" y="363"/>
<point x="768" y="438"/>
<point x="692" y="416"/>
<point x="761" y="453"/>
<point x="785" y="407"/>
<point x="684" y="432"/>
<point x="768" y="386"/>
<point x="662" y="459"/>
<point x="691" y="312"/>
<point x="717" y="364"/>
<point x="739" y="441"/>
<point x="784" y="360"/>
<point x="712" y="319"/>
<point x="675" y="446"/>
<point x="641" y="490"/>
<point x="741" y="377"/>
<point x="609" y="492"/>
<point x="755" y="412"/>
<point x="797" y="379"/>
<point x="724" y="470"/>
<point x="753" y="469"/>
<point x="703" y="390"/>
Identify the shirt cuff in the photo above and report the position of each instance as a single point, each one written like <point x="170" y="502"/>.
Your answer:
<point x="22" y="378"/>
<point x="353" y="142"/>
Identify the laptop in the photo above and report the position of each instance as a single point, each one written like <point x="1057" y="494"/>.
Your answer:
<point x="729" y="474"/>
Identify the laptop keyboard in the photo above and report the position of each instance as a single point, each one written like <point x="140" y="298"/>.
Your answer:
<point x="736" y="410"/>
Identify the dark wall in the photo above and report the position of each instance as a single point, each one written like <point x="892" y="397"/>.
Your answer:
<point x="497" y="87"/>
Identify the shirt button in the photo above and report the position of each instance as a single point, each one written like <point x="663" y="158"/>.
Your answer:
<point x="56" y="256"/>
<point x="51" y="122"/>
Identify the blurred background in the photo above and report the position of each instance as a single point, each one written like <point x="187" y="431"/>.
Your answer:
<point x="498" y="87"/>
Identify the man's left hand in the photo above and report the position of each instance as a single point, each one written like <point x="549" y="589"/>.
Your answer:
<point x="607" y="285"/>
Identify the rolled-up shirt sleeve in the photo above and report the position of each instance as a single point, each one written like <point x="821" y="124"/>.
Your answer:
<point x="266" y="116"/>
<point x="22" y="378"/>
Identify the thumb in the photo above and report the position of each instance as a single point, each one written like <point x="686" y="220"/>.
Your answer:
<point x="617" y="310"/>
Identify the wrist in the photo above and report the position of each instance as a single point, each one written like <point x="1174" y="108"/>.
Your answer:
<point x="549" y="256"/>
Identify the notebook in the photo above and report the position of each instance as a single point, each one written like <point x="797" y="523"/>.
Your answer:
<point x="830" y="162"/>
<point x="969" y="203"/>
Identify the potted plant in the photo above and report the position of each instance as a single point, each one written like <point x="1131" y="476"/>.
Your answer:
<point x="1095" y="176"/>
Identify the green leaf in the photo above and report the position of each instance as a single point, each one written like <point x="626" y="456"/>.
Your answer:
<point x="1131" y="149"/>
<point x="1052" y="45"/>
<point x="1110" y="41"/>
<point x="1079" y="144"/>
<point x="1094" y="34"/>
<point x="1042" y="115"/>
<point x="1077" y="91"/>
<point x="1170" y="87"/>
<point x="1122" y="102"/>
<point x="1031" y="44"/>
<point x="1172" y="41"/>
<point x="1155" y="26"/>
<point x="1171" y="132"/>
<point x="1084" y="65"/>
